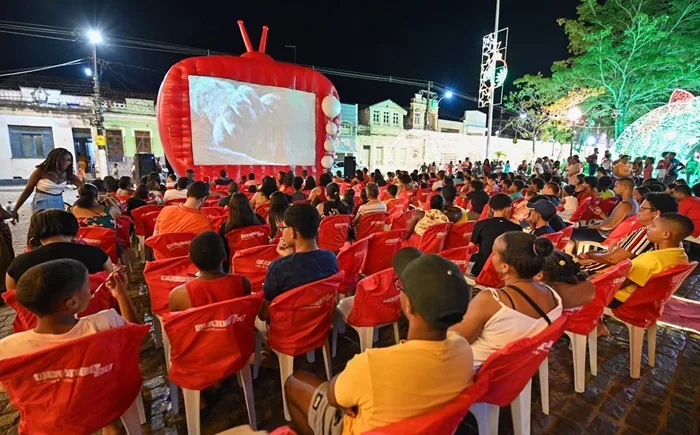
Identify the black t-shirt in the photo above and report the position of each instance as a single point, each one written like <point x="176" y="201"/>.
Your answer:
<point x="485" y="233"/>
<point x="92" y="257"/>
<point x="223" y="202"/>
<point x="479" y="199"/>
<point x="543" y="230"/>
<point x="134" y="203"/>
<point x="295" y="270"/>
<point x="557" y="223"/>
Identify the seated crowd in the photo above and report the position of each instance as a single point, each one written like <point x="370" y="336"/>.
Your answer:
<point x="450" y="334"/>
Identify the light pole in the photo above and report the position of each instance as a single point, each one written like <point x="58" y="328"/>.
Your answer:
<point x="492" y="87"/>
<point x="294" y="47"/>
<point x="95" y="38"/>
<point x="573" y="115"/>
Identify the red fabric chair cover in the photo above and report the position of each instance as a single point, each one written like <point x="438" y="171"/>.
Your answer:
<point x="400" y="222"/>
<point x="103" y="238"/>
<point x="124" y="225"/>
<point x="211" y="203"/>
<point x="76" y="387"/>
<point x="583" y="207"/>
<point x="588" y="212"/>
<point x="376" y="300"/>
<point x="137" y="215"/>
<point x="248" y="237"/>
<point x="566" y="236"/>
<point x="162" y="276"/>
<point x="216" y="222"/>
<point x="253" y="264"/>
<point x="333" y="232"/>
<point x="426" y="203"/>
<point x="460" y="256"/>
<point x="300" y="319"/>
<point x="149" y="223"/>
<point x="407" y="194"/>
<point x="555" y="238"/>
<point x="397" y="206"/>
<point x="211" y="343"/>
<point x="623" y="229"/>
<point x="488" y="277"/>
<point x="383" y="192"/>
<point x="459" y="235"/>
<point x="123" y="198"/>
<point x="421" y="195"/>
<point x="508" y="370"/>
<point x="606" y="284"/>
<point x="381" y="249"/>
<point x="484" y="213"/>
<point x="461" y="202"/>
<point x="263" y="210"/>
<point x="176" y="201"/>
<point x="370" y="224"/>
<point x="608" y="204"/>
<point x="214" y="212"/>
<point x="433" y="239"/>
<point x="646" y="304"/>
<point x="170" y="245"/>
<point x="350" y="261"/>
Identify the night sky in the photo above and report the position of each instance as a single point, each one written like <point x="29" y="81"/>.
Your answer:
<point x="439" y="40"/>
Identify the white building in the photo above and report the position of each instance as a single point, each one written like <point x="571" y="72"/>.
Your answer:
<point x="384" y="120"/>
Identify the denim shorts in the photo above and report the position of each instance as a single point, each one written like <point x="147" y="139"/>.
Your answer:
<point x="43" y="201"/>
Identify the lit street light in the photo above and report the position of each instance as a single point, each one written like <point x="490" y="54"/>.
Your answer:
<point x="448" y="95"/>
<point x="88" y="71"/>
<point x="94" y="36"/>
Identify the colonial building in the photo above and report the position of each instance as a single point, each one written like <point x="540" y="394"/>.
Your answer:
<point x="347" y="145"/>
<point x="378" y="125"/>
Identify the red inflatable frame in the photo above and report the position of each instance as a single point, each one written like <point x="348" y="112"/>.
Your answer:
<point x="173" y="106"/>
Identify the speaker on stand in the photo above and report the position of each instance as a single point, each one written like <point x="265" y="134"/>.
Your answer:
<point x="350" y="166"/>
<point x="144" y="164"/>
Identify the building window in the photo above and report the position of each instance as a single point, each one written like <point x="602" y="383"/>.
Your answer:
<point x="346" y="128"/>
<point x="30" y="142"/>
<point x="416" y="119"/>
<point x="386" y="118"/>
<point x="395" y="119"/>
<point x="375" y="116"/>
<point x="143" y="141"/>
<point x="115" y="146"/>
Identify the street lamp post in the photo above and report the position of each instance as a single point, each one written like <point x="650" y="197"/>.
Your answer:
<point x="493" y="81"/>
<point x="95" y="38"/>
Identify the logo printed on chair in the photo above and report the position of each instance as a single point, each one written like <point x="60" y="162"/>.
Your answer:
<point x="544" y="347"/>
<point x="96" y="370"/>
<point x="318" y="304"/>
<point x="252" y="234"/>
<point x="219" y="325"/>
<point x="175" y="245"/>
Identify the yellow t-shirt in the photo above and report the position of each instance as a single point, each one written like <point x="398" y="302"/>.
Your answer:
<point x="649" y="264"/>
<point x="395" y="383"/>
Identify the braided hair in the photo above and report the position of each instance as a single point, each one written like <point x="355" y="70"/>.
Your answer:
<point x="53" y="161"/>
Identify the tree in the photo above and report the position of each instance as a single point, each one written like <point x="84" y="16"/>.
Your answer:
<point x="635" y="51"/>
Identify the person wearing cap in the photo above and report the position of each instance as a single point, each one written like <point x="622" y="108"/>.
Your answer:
<point x="386" y="385"/>
<point x="541" y="212"/>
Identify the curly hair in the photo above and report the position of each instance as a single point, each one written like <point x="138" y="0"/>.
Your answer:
<point x="53" y="162"/>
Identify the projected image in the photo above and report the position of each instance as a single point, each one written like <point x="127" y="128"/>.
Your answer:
<point x="236" y="123"/>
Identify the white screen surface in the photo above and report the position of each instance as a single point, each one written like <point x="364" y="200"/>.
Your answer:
<point x="237" y="123"/>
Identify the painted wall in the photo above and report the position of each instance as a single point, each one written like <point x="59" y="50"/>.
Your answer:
<point x="129" y="125"/>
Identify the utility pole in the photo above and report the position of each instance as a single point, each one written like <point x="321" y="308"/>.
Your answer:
<point x="427" y="106"/>
<point x="493" y="81"/>
<point x="96" y="94"/>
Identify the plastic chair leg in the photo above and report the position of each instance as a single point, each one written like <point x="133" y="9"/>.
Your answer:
<point x="334" y="335"/>
<point x="244" y="377"/>
<point x="593" y="351"/>
<point x="174" y="389"/>
<point x="286" y="368"/>
<point x="578" y="343"/>
<point x="141" y="409"/>
<point x="256" y="358"/>
<point x="311" y="356"/>
<point x="520" y="408"/>
<point x="327" y="360"/>
<point x="375" y="335"/>
<point x="486" y="417"/>
<point x="130" y="419"/>
<point x="192" y="411"/>
<point x="366" y="334"/>
<point x="636" y="338"/>
<point x="651" y="345"/>
<point x="544" y="385"/>
<point x="158" y="331"/>
<point x="142" y="248"/>
<point x="397" y="339"/>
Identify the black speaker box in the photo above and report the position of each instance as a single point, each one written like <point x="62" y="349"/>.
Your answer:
<point x="350" y="166"/>
<point x="145" y="164"/>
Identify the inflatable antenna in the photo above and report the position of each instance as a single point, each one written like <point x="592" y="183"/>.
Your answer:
<point x="250" y="53"/>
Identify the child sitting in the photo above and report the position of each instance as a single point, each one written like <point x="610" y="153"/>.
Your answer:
<point x="565" y="276"/>
<point x="212" y="285"/>
<point x="570" y="202"/>
<point x="154" y="193"/>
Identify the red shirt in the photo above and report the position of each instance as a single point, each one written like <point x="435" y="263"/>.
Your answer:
<point x="204" y="292"/>
<point x="691" y="208"/>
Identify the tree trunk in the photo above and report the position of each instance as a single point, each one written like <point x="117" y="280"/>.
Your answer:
<point x="534" y="141"/>
<point x="620" y="122"/>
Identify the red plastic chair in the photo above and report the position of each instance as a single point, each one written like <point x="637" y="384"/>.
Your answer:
<point x="333" y="232"/>
<point x="170" y="245"/>
<point x="608" y="204"/>
<point x="484" y="213"/>
<point x="53" y="388"/>
<point x="433" y="239"/>
<point x="253" y="264"/>
<point x="213" y="213"/>
<point x="578" y="214"/>
<point x="380" y="251"/>
<point x="211" y="202"/>
<point x="488" y="277"/>
<point x="137" y="216"/>
<point x="426" y="203"/>
<point x="460" y="256"/>
<point x="370" y="224"/>
<point x="302" y="201"/>
<point x="421" y="195"/>
<point x="644" y="307"/>
<point x="555" y="238"/>
<point x="263" y="210"/>
<point x="397" y="206"/>
<point x="509" y="373"/>
<point x="459" y="235"/>
<point x="400" y="221"/>
<point x="407" y="194"/>
<point x="209" y="344"/>
<point x="248" y="237"/>
<point x="566" y="236"/>
<point x="300" y="320"/>
<point x="162" y="276"/>
<point x="103" y="238"/>
<point x="350" y="261"/>
<point x="124" y="224"/>
<point x="583" y="323"/>
<point x="149" y="223"/>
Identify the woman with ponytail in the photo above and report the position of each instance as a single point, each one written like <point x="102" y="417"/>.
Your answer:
<point x="334" y="204"/>
<point x="522" y="308"/>
<point x="91" y="210"/>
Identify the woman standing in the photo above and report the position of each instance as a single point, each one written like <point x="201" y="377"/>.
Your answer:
<point x="50" y="179"/>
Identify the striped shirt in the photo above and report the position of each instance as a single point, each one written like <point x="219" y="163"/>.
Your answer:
<point x="635" y="243"/>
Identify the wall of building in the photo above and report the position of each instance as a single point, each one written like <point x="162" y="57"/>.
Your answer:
<point x="129" y="125"/>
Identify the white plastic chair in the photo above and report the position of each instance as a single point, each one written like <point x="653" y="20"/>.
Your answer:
<point x="368" y="334"/>
<point x="636" y="339"/>
<point x="174" y="389"/>
<point x="134" y="417"/>
<point x="578" y="349"/>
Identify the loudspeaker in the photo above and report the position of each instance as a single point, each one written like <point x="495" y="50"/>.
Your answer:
<point x="144" y="164"/>
<point x="350" y="166"/>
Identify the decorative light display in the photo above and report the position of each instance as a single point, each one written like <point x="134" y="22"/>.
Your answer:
<point x="494" y="49"/>
<point x="673" y="127"/>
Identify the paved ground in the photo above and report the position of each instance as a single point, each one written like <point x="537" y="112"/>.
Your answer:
<point x="665" y="400"/>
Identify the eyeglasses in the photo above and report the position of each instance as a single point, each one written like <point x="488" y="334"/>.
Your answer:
<point x="648" y="208"/>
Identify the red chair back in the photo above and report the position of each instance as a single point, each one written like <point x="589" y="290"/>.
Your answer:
<point x="370" y="224"/>
<point x="170" y="245"/>
<point x="433" y="239"/>
<point x="381" y="249"/>
<point x="302" y="201"/>
<point x="400" y="222"/>
<point x="53" y="388"/>
<point x="248" y="237"/>
<point x="459" y="235"/>
<point x="124" y="224"/>
<point x="212" y="342"/>
<point x="253" y="263"/>
<point x="555" y="238"/>
<point x="350" y="261"/>
<point x="383" y="192"/>
<point x="606" y="284"/>
<point x="149" y="223"/>
<point x="300" y="319"/>
<point x="407" y="194"/>
<point x="162" y="276"/>
<point x="176" y="201"/>
<point x="460" y="256"/>
<point x="583" y="207"/>
<point x="646" y="304"/>
<point x="211" y="203"/>
<point x="397" y="206"/>
<point x="426" y="203"/>
<point x="263" y="210"/>
<point x="137" y="215"/>
<point x="461" y="202"/>
<point x="103" y="238"/>
<point x="508" y="370"/>
<point x="333" y="232"/>
<point x="608" y="204"/>
<point x="421" y="195"/>
<point x="376" y="300"/>
<point x="621" y="230"/>
<point x="565" y="237"/>
<point x="484" y="213"/>
<point x="488" y="277"/>
<point x="214" y="212"/>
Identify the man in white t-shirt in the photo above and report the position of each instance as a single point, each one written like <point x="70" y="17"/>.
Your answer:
<point x="251" y="180"/>
<point x="180" y="190"/>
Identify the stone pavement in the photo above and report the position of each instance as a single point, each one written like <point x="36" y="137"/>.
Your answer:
<point x="665" y="400"/>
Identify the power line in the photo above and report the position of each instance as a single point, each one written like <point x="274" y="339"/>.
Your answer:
<point x="43" y="68"/>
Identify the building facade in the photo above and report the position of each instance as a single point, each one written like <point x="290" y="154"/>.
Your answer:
<point x="378" y="125"/>
<point x="347" y="144"/>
